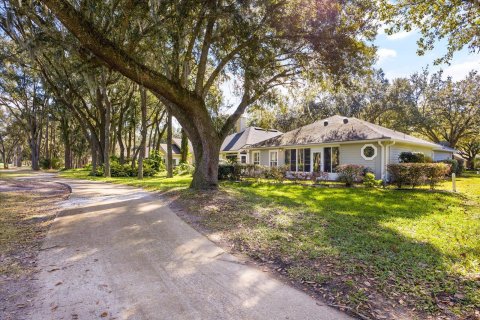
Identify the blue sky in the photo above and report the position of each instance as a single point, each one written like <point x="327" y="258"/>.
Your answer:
<point x="397" y="57"/>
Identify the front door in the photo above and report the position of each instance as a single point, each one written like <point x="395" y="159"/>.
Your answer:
<point x="317" y="162"/>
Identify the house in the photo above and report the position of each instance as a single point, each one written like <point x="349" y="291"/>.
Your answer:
<point x="325" y="144"/>
<point x="235" y="146"/>
<point x="177" y="151"/>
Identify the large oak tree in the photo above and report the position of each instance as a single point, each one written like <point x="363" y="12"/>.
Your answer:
<point x="183" y="50"/>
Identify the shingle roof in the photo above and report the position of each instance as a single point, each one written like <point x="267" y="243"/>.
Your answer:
<point x="176" y="146"/>
<point x="334" y="129"/>
<point x="249" y="136"/>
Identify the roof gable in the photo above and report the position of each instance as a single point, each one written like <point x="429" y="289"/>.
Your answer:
<point x="249" y="136"/>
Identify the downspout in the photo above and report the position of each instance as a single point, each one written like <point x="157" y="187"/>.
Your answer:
<point x="382" y="166"/>
<point x="388" y="155"/>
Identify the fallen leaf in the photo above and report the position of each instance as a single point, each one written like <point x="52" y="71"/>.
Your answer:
<point x="104" y="314"/>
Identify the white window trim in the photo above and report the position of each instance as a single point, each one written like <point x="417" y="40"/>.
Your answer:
<point x="270" y="157"/>
<point x="253" y="157"/>
<point x="374" y="151"/>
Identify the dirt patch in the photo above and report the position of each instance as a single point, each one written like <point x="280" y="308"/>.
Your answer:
<point x="27" y="209"/>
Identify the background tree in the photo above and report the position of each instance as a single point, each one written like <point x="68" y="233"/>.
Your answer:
<point x="469" y="149"/>
<point x="446" y="111"/>
<point x="456" y="21"/>
<point x="23" y="94"/>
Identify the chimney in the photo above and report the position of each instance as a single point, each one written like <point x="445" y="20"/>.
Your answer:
<point x="325" y="123"/>
<point x="241" y="124"/>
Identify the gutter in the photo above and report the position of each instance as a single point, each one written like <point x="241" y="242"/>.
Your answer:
<point x="316" y="144"/>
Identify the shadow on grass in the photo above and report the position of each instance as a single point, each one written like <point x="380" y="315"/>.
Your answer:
<point x="420" y="242"/>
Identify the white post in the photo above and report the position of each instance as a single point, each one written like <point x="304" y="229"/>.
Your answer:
<point x="454" y="182"/>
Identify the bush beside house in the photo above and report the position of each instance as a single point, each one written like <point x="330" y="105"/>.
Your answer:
<point x="415" y="174"/>
<point x="350" y="173"/>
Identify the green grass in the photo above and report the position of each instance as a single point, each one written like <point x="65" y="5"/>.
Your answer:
<point x="418" y="246"/>
<point x="158" y="183"/>
<point x="10" y="174"/>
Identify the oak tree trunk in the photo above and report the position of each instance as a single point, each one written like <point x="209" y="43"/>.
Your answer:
<point x="141" y="155"/>
<point x="169" y="146"/>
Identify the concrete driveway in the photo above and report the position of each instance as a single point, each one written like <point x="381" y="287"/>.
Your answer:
<point x="118" y="252"/>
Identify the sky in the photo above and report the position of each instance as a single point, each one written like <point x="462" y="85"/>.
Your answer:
<point x="397" y="57"/>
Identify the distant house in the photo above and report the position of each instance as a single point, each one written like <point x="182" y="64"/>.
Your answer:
<point x="325" y="144"/>
<point x="235" y="146"/>
<point x="177" y="151"/>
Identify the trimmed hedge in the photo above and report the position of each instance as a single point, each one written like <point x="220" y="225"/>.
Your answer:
<point x="455" y="166"/>
<point x="415" y="174"/>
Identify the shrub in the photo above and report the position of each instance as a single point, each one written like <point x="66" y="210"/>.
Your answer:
<point x="350" y="173"/>
<point x="278" y="173"/>
<point x="119" y="170"/>
<point x="155" y="161"/>
<point x="415" y="174"/>
<point x="225" y="171"/>
<point x="183" y="169"/>
<point x="399" y="174"/>
<point x="369" y="180"/>
<point x="436" y="172"/>
<point x="455" y="166"/>
<point x="411" y="157"/>
<point x="319" y="177"/>
<point x="50" y="163"/>
<point x="148" y="170"/>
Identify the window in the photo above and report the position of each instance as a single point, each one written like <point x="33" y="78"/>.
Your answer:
<point x="243" y="158"/>
<point x="307" y="160"/>
<point x="331" y="159"/>
<point x="291" y="159"/>
<point x="369" y="152"/>
<point x="256" y="157"/>
<point x="298" y="159"/>
<point x="273" y="158"/>
<point x="303" y="163"/>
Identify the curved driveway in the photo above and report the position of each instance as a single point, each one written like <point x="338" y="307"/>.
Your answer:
<point x="119" y="252"/>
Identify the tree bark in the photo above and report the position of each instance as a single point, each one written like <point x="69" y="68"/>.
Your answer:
<point x="184" y="147"/>
<point x="93" y="148"/>
<point x="141" y="155"/>
<point x="169" y="146"/>
<point x="206" y="165"/>
<point x="35" y="150"/>
<point x="105" y="102"/>
<point x="19" y="156"/>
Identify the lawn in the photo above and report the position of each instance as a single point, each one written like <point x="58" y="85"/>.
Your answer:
<point x="376" y="252"/>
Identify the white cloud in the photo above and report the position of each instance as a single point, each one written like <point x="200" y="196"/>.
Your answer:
<point x="385" y="54"/>
<point x="459" y="71"/>
<point x="401" y="35"/>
